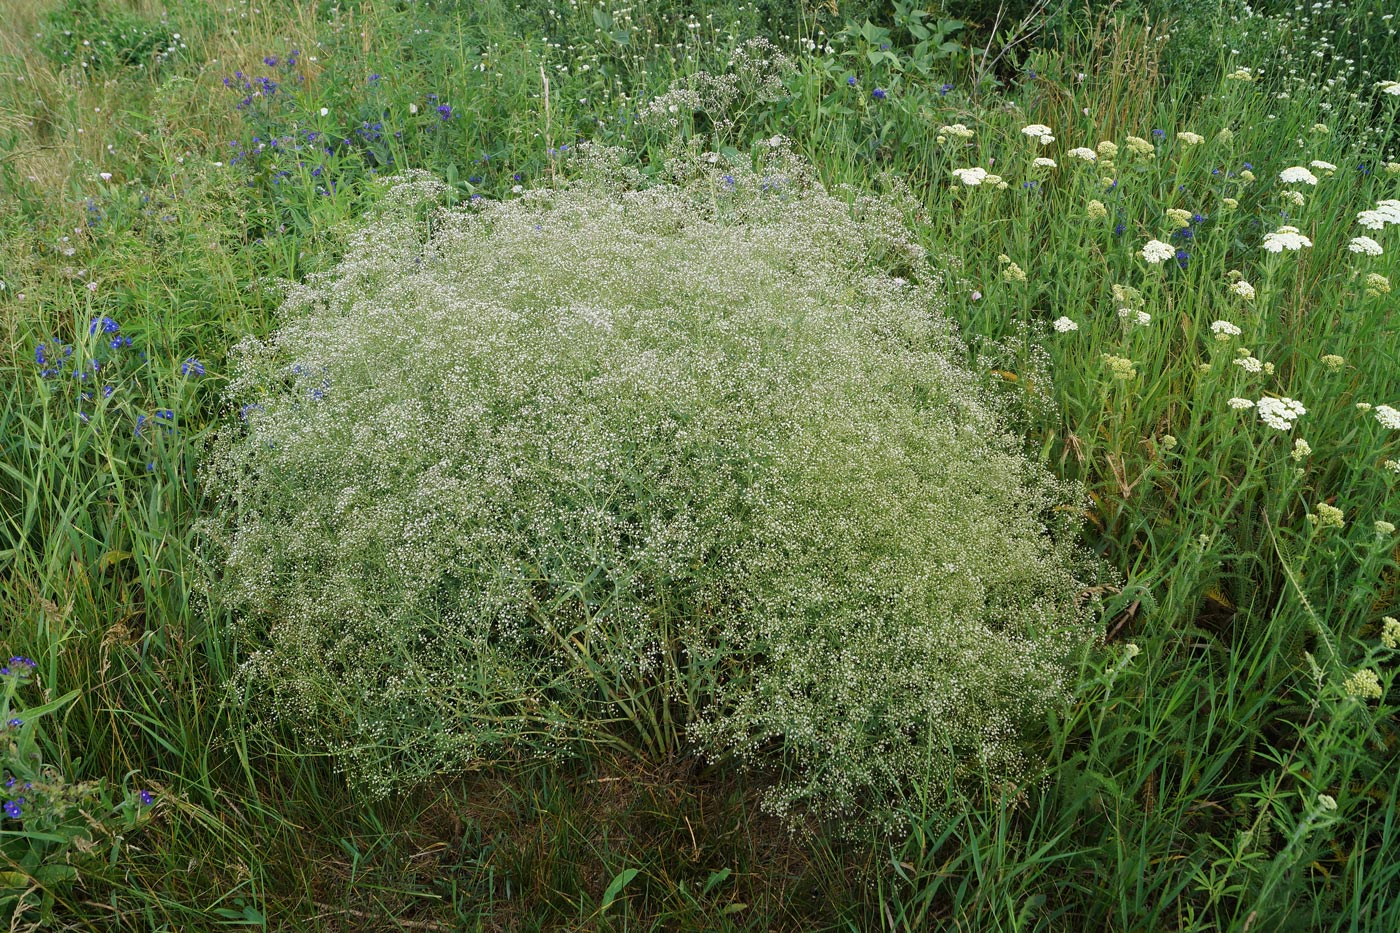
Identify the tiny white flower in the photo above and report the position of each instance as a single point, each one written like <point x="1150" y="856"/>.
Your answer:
<point x="412" y="108"/>
<point x="325" y="111"/>
<point x="1224" y="330"/>
<point x="105" y="176"/>
<point x="1064" y="325"/>
<point x="1243" y="289"/>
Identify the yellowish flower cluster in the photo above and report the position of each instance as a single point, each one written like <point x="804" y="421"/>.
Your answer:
<point x="1327" y="516"/>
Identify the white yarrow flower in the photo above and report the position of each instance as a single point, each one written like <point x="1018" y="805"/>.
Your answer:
<point x="1322" y="166"/>
<point x="1157" y="252"/>
<point x="1043" y="162"/>
<point x="1243" y="289"/>
<point x="1088" y="155"/>
<point x="1041" y="132"/>
<point x="1388" y="417"/>
<point x="970" y="176"/>
<point x="1279" y="413"/>
<point x="1365" y="246"/>
<point x="1285" y="238"/>
<point x="1239" y="404"/>
<point x="1296" y="175"/>
<point x="1224" y="330"/>
<point x="1191" y="139"/>
<point x="1064" y="325"/>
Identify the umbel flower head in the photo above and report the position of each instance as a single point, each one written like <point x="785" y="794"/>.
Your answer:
<point x="726" y="446"/>
<point x="1285" y="238"/>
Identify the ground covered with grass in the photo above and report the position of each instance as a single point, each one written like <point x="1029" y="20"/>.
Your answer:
<point x="1070" y="604"/>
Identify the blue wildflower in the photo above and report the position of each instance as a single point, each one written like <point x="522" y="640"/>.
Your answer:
<point x="12" y="810"/>
<point x="192" y="366"/>
<point x="1159" y="133"/>
<point x="270" y="61"/>
<point x="851" y="81"/>
<point x="878" y="94"/>
<point x="943" y="91"/>
<point x="39" y="357"/>
<point x="445" y="111"/>
<point x="15" y="723"/>
<point x="1182" y="258"/>
<point x="146" y="798"/>
<point x="105" y="324"/>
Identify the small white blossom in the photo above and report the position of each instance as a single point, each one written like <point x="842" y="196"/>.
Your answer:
<point x="1240" y="404"/>
<point x="1088" y="155"/>
<point x="970" y="176"/>
<point x="1043" y="162"/>
<point x="1224" y="330"/>
<point x="1243" y="289"/>
<point x="1064" y="325"/>
<point x="1365" y="246"/>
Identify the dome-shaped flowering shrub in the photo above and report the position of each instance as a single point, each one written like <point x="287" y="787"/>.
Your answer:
<point x="677" y="467"/>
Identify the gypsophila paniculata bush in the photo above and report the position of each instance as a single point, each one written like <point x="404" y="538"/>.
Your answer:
<point x="516" y="475"/>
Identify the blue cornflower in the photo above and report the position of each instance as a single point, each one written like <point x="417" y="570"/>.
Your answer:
<point x="108" y="390"/>
<point x="15" y="723"/>
<point x="5" y="672"/>
<point x="12" y="810"/>
<point x="192" y="365"/>
<point x="119" y="342"/>
<point x="518" y="177"/>
<point x="1118" y="229"/>
<point x="878" y="94"/>
<point x="1159" y="133"/>
<point x="943" y="91"/>
<point x="105" y="324"/>
<point x="270" y="61"/>
<point x="165" y="413"/>
<point x="474" y="180"/>
<point x="1363" y="168"/>
<point x="1182" y="258"/>
<point x="851" y="81"/>
<point x="23" y="661"/>
<point x="140" y="421"/>
<point x="1249" y="165"/>
<point x="1197" y="218"/>
<point x="374" y="79"/>
<point x="39" y="357"/>
<point x="445" y="111"/>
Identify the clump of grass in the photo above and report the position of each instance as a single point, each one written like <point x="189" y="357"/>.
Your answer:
<point x="542" y="493"/>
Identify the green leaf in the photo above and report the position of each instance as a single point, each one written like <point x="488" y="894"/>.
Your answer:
<point x="621" y="881"/>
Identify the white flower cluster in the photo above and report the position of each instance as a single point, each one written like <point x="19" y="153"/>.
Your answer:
<point x="1385" y="213"/>
<point x="1224" y="330"/>
<point x="527" y="462"/>
<point x="1297" y="175"/>
<point x="1365" y="246"/>
<point x="1388" y="417"/>
<point x="1039" y="132"/>
<point x="1157" y="252"/>
<point x="1285" y="238"/>
<point x="1088" y="155"/>
<point x="1279" y="413"/>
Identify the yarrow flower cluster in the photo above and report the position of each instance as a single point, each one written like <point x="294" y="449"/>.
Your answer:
<point x="1365" y="246"/>
<point x="1043" y="134"/>
<point x="1285" y="238"/>
<point x="1279" y="413"/>
<point x="1064" y="325"/>
<point x="1224" y="330"/>
<point x="1297" y="175"/>
<point x="1088" y="155"/>
<point x="1388" y="417"/>
<point x="1385" y="213"/>
<point x="1157" y="252"/>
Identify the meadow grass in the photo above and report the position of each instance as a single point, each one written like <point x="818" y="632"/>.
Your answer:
<point x="1222" y="766"/>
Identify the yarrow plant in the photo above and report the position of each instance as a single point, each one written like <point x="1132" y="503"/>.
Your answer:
<point x="543" y="491"/>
